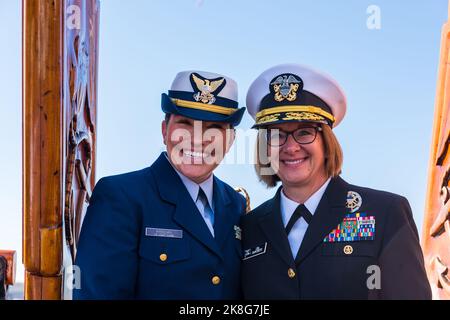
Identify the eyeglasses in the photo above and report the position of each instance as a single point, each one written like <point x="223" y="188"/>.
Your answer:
<point x="277" y="138"/>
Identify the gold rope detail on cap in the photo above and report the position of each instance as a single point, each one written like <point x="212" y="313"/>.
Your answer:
<point x="269" y="118"/>
<point x="303" y="116"/>
<point x="310" y="109"/>
<point x="202" y="106"/>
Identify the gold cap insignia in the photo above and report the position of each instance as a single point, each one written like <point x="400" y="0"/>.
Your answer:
<point x="206" y="88"/>
<point x="286" y="87"/>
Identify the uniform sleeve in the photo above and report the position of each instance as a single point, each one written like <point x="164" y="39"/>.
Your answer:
<point x="107" y="250"/>
<point x="401" y="260"/>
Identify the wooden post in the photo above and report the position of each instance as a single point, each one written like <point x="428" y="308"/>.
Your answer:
<point x="436" y="227"/>
<point x="60" y="52"/>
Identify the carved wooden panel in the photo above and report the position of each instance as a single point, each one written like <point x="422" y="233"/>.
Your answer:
<point x="436" y="229"/>
<point x="60" y="45"/>
<point x="81" y="99"/>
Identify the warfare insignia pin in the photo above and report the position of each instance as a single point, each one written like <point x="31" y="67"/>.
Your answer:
<point x="237" y="232"/>
<point x="354" y="201"/>
<point x="206" y="88"/>
<point x="285" y="86"/>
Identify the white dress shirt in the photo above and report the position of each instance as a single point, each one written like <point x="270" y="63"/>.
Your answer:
<point x="288" y="206"/>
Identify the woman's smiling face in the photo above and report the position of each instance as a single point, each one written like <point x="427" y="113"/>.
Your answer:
<point x="298" y="165"/>
<point x="195" y="148"/>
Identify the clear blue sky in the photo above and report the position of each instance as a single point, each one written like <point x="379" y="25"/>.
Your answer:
<point x="389" y="76"/>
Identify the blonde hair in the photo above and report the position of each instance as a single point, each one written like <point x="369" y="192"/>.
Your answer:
<point x="333" y="157"/>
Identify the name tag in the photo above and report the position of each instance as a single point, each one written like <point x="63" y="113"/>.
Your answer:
<point x="164" y="233"/>
<point x="256" y="251"/>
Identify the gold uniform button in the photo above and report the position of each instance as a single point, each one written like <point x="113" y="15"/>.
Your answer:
<point x="291" y="273"/>
<point x="348" y="250"/>
<point x="163" y="257"/>
<point x="215" y="280"/>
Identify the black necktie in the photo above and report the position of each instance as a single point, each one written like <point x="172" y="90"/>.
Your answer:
<point x="301" y="211"/>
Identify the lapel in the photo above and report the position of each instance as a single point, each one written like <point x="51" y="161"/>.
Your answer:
<point x="172" y="190"/>
<point x="222" y="217"/>
<point x="329" y="213"/>
<point x="272" y="225"/>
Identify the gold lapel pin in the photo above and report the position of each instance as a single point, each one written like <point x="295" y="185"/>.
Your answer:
<point x="348" y="249"/>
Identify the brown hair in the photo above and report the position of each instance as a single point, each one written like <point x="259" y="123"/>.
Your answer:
<point x="333" y="157"/>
